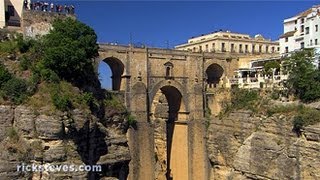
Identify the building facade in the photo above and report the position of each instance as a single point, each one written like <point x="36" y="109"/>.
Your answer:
<point x="226" y="41"/>
<point x="301" y="31"/>
<point x="11" y="12"/>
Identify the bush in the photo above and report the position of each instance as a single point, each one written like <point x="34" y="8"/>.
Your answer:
<point x="114" y="102"/>
<point x="282" y="109"/>
<point x="243" y="99"/>
<point x="13" y="134"/>
<point x="131" y="120"/>
<point x="298" y="124"/>
<point x="4" y="75"/>
<point x="25" y="63"/>
<point x="49" y="76"/>
<point x="8" y="47"/>
<point x="275" y="95"/>
<point x="15" y="90"/>
<point x="86" y="98"/>
<point x="61" y="102"/>
<point x="24" y="44"/>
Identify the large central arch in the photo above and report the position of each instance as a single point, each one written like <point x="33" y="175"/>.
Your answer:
<point x="170" y="133"/>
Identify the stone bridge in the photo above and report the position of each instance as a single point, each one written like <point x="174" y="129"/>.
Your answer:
<point x="165" y="90"/>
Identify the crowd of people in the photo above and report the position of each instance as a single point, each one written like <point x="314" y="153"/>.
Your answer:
<point x="48" y="7"/>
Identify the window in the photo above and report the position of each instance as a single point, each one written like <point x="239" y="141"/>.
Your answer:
<point x="316" y="42"/>
<point x="310" y="42"/>
<point x="223" y="48"/>
<point x="307" y="30"/>
<point x="260" y="48"/>
<point x="272" y="49"/>
<point x="252" y="48"/>
<point x="267" y="48"/>
<point x="295" y="22"/>
<point x="200" y="48"/>
<point x="302" y="21"/>
<point x="286" y="39"/>
<point x="232" y="47"/>
<point x="246" y="48"/>
<point x="287" y="49"/>
<point x="316" y="27"/>
<point x="240" y="48"/>
<point x="10" y="10"/>
<point x="213" y="47"/>
<point x="207" y="48"/>
<point x="302" y="45"/>
<point x="302" y="28"/>
<point x="295" y="28"/>
<point x="278" y="48"/>
<point x="169" y="67"/>
<point x="194" y="49"/>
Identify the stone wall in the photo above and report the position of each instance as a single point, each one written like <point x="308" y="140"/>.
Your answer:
<point x="38" y="23"/>
<point x="28" y="136"/>
<point x="242" y="146"/>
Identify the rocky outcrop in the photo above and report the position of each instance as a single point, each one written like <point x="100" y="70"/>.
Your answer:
<point x="74" y="138"/>
<point x="243" y="146"/>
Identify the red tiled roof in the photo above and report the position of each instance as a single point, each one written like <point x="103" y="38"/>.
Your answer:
<point x="287" y="34"/>
<point x="308" y="11"/>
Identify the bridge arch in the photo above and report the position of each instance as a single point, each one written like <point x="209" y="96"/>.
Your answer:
<point x="117" y="70"/>
<point x="175" y="84"/>
<point x="169" y="118"/>
<point x="214" y="73"/>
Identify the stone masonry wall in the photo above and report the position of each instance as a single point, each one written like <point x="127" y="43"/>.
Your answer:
<point x="38" y="23"/>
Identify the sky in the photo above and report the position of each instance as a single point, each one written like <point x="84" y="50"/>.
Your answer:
<point x="169" y="23"/>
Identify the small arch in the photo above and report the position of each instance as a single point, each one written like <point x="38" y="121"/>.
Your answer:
<point x="214" y="73"/>
<point x="117" y="70"/>
<point x="169" y="67"/>
<point x="168" y="71"/>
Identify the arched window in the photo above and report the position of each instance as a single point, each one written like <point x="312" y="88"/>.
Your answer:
<point x="168" y="67"/>
<point x="168" y="71"/>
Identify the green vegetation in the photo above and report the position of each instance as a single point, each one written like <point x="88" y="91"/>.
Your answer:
<point x="15" y="90"/>
<point x="69" y="49"/>
<point x="269" y="66"/>
<point x="132" y="122"/>
<point x="241" y="99"/>
<point x="305" y="116"/>
<point x="13" y="134"/>
<point x="114" y="102"/>
<point x="304" y="78"/>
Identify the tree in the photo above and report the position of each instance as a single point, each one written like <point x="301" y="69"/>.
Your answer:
<point x="304" y="77"/>
<point x="69" y="49"/>
<point x="269" y="66"/>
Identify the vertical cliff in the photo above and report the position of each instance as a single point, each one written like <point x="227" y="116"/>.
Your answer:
<point x="29" y="136"/>
<point x="246" y="146"/>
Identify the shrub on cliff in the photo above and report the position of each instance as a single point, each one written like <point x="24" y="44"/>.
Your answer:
<point x="69" y="49"/>
<point x="15" y="90"/>
<point x="4" y="75"/>
<point x="304" y="78"/>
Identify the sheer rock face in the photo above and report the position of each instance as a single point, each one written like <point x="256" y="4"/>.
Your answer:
<point x="241" y="146"/>
<point x="77" y="138"/>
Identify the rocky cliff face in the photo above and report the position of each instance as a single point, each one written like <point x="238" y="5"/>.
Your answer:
<point x="28" y="136"/>
<point x="241" y="146"/>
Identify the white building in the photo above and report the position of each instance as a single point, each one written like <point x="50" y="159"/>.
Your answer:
<point x="301" y="31"/>
<point x="11" y="12"/>
<point x="226" y="41"/>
